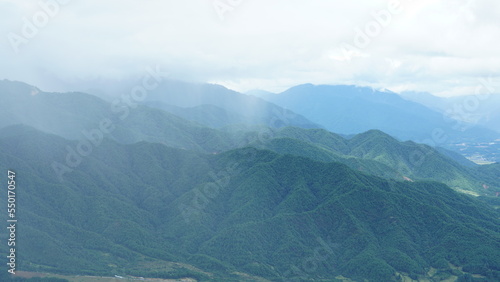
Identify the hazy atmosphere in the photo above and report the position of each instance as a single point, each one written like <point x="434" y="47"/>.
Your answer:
<point x="250" y="140"/>
<point x="442" y="47"/>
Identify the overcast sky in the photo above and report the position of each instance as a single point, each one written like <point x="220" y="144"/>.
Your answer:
<point x="440" y="46"/>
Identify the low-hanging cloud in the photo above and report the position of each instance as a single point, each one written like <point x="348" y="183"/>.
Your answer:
<point x="431" y="45"/>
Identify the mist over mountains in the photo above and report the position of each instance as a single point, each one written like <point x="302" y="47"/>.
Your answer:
<point x="481" y="109"/>
<point x="351" y="109"/>
<point x="262" y="141"/>
<point x="198" y="181"/>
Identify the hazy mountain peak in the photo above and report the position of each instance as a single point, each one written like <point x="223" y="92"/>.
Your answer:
<point x="17" y="88"/>
<point x="335" y="90"/>
<point x="373" y="135"/>
<point x="259" y="93"/>
<point x="17" y="130"/>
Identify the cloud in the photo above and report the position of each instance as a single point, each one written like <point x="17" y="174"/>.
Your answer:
<point x="430" y="45"/>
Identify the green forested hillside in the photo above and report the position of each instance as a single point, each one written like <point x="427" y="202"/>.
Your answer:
<point x="81" y="116"/>
<point x="133" y="190"/>
<point x="127" y="208"/>
<point x="377" y="153"/>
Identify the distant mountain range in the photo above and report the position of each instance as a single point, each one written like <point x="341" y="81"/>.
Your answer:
<point x="199" y="181"/>
<point x="350" y="109"/>
<point x="197" y="99"/>
<point x="78" y="116"/>
<point x="482" y="109"/>
<point x="70" y="115"/>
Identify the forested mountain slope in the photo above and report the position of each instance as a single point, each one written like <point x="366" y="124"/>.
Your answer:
<point x="245" y="210"/>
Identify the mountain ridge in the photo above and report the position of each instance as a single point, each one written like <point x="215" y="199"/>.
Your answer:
<point x="291" y="200"/>
<point x="351" y="109"/>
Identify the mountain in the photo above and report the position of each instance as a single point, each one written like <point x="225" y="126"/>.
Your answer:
<point x="456" y="157"/>
<point x="350" y="109"/>
<point x="111" y="187"/>
<point x="259" y="93"/>
<point x="416" y="161"/>
<point x="81" y="116"/>
<point x="436" y="103"/>
<point x="146" y="209"/>
<point x="169" y="93"/>
<point x="70" y="114"/>
<point x="256" y="110"/>
<point x="377" y="153"/>
<point x="482" y="109"/>
<point x="208" y="115"/>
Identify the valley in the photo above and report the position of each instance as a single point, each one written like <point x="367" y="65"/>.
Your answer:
<point x="479" y="152"/>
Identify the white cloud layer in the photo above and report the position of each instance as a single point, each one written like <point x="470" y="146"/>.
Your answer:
<point x="439" y="46"/>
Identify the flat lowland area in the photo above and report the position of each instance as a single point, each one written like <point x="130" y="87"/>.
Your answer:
<point x="27" y="274"/>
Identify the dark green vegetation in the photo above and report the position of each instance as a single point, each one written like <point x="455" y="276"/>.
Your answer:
<point x="245" y="210"/>
<point x="161" y="196"/>
<point x="78" y="115"/>
<point x="377" y="153"/>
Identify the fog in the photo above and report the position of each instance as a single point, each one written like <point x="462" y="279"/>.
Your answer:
<point x="443" y="47"/>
